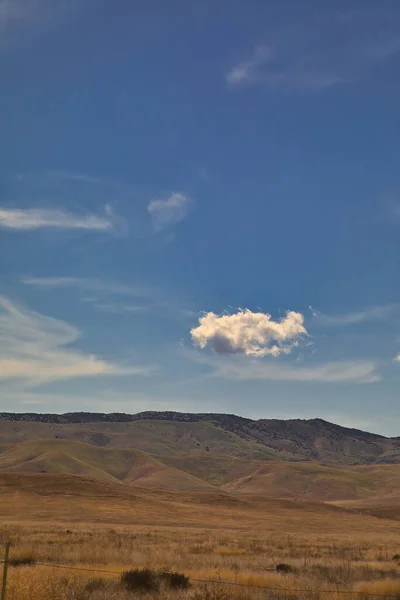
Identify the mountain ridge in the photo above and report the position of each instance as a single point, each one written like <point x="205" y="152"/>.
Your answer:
<point x="170" y="433"/>
<point x="182" y="417"/>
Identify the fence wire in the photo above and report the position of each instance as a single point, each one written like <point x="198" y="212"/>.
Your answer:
<point x="224" y="582"/>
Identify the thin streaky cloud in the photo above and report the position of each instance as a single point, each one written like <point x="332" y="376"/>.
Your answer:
<point x="238" y="368"/>
<point x="305" y="61"/>
<point x="118" y="308"/>
<point x="23" y="20"/>
<point x="116" y="298"/>
<point x="351" y="371"/>
<point x="372" y="313"/>
<point x="382" y="50"/>
<point x="29" y="219"/>
<point x="89" y="284"/>
<point x="36" y="348"/>
<point x="265" y="67"/>
<point x="246" y="71"/>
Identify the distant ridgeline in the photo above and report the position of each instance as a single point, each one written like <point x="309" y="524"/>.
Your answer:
<point x="220" y="436"/>
<point x="90" y="417"/>
<point x="301" y="427"/>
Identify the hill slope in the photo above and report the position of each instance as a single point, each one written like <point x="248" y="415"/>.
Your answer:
<point x="308" y="460"/>
<point x="201" y="472"/>
<point x="103" y="464"/>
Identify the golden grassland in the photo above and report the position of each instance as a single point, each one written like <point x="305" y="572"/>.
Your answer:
<point x="322" y="566"/>
<point x="78" y="522"/>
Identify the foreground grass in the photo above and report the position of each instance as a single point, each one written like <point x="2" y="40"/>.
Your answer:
<point x="318" y="564"/>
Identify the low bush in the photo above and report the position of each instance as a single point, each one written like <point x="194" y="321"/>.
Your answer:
<point x="140" y="579"/>
<point x="174" y="580"/>
<point x="22" y="561"/>
<point x="284" y="568"/>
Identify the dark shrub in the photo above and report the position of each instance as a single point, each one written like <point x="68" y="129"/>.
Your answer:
<point x="140" y="579"/>
<point x="396" y="557"/>
<point x="284" y="568"/>
<point x="22" y="561"/>
<point x="175" y="580"/>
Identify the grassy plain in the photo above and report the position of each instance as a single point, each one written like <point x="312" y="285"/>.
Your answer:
<point x="209" y="536"/>
<point x="322" y="566"/>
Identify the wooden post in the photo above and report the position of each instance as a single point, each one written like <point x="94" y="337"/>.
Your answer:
<point x="5" y="569"/>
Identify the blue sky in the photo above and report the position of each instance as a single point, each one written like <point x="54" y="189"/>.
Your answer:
<point x="200" y="208"/>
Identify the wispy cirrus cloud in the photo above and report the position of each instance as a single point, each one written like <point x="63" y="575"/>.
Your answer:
<point x="330" y="50"/>
<point x="238" y="368"/>
<point x="265" y="66"/>
<point x="29" y="219"/>
<point x="169" y="211"/>
<point x="118" y="308"/>
<point x="247" y="71"/>
<point x="249" y="333"/>
<point x="36" y="348"/>
<point x="371" y="313"/>
<point x="350" y="371"/>
<point x="22" y="20"/>
<point x="90" y="284"/>
<point x="117" y="298"/>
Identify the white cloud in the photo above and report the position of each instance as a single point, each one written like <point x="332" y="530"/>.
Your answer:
<point x="351" y="371"/>
<point x="36" y="348"/>
<point x="38" y="218"/>
<point x="248" y="333"/>
<point x="169" y="211"/>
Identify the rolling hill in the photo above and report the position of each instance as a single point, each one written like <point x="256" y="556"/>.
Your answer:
<point x="63" y="499"/>
<point x="111" y="465"/>
<point x="297" y="460"/>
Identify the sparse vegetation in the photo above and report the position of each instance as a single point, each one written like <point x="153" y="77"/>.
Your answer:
<point x="164" y="560"/>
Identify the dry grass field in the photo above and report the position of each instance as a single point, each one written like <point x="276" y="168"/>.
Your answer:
<point x="321" y="566"/>
<point x="210" y="537"/>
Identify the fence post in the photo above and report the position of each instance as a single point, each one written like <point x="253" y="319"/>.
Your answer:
<point x="5" y="569"/>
